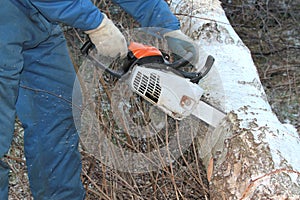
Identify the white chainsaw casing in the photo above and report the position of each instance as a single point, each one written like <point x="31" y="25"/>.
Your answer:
<point x="175" y="95"/>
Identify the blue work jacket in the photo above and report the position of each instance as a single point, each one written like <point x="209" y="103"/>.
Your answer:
<point x="84" y="15"/>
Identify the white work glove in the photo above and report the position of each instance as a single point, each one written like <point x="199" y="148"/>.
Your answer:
<point x="180" y="44"/>
<point x="108" y="39"/>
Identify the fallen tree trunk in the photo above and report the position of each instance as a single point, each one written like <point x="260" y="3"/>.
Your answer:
<point x="251" y="155"/>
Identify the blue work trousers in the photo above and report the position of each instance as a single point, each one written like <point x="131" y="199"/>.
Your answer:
<point x="36" y="81"/>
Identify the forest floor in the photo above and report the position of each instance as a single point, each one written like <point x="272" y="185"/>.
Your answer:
<point x="280" y="75"/>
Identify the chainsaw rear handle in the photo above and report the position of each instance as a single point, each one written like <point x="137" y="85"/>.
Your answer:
<point x="87" y="47"/>
<point x="85" y="50"/>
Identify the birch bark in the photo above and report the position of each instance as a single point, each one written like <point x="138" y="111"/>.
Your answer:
<point x="251" y="155"/>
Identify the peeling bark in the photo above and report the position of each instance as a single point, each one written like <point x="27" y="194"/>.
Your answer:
<point x="251" y="155"/>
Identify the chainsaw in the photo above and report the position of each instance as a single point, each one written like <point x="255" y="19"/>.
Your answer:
<point x="164" y="84"/>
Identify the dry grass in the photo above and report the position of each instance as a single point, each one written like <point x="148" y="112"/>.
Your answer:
<point x="183" y="179"/>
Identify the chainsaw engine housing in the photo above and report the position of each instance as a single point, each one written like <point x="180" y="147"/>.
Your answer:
<point x="175" y="95"/>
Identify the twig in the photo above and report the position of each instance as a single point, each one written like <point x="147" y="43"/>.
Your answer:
<point x="95" y="184"/>
<point x="19" y="160"/>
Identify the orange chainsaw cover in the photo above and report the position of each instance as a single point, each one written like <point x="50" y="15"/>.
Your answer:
<point x="140" y="50"/>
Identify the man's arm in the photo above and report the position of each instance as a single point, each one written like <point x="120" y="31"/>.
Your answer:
<point x="150" y="13"/>
<point x="84" y="15"/>
<point x="156" y="13"/>
<point x="80" y="14"/>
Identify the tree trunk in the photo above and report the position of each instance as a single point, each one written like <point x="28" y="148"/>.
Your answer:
<point x="251" y="155"/>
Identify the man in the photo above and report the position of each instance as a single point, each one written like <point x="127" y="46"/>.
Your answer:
<point x="37" y="76"/>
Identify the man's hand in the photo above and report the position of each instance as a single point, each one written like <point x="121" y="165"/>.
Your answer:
<point x="180" y="44"/>
<point x="108" y="39"/>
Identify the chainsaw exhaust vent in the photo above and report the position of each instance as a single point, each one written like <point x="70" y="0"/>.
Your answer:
<point x="147" y="86"/>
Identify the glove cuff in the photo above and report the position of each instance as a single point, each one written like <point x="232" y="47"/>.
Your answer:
<point x="173" y="33"/>
<point x="105" y="20"/>
<point x="178" y="34"/>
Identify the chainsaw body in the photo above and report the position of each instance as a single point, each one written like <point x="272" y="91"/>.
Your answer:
<point x="174" y="91"/>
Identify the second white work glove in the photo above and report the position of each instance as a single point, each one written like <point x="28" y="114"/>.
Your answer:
<point x="108" y="39"/>
<point x="181" y="44"/>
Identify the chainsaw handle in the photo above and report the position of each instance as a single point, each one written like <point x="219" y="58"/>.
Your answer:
<point x="85" y="50"/>
<point x="182" y="62"/>
<point x="195" y="77"/>
<point x="185" y="60"/>
<point x="87" y="47"/>
<point x="97" y="63"/>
